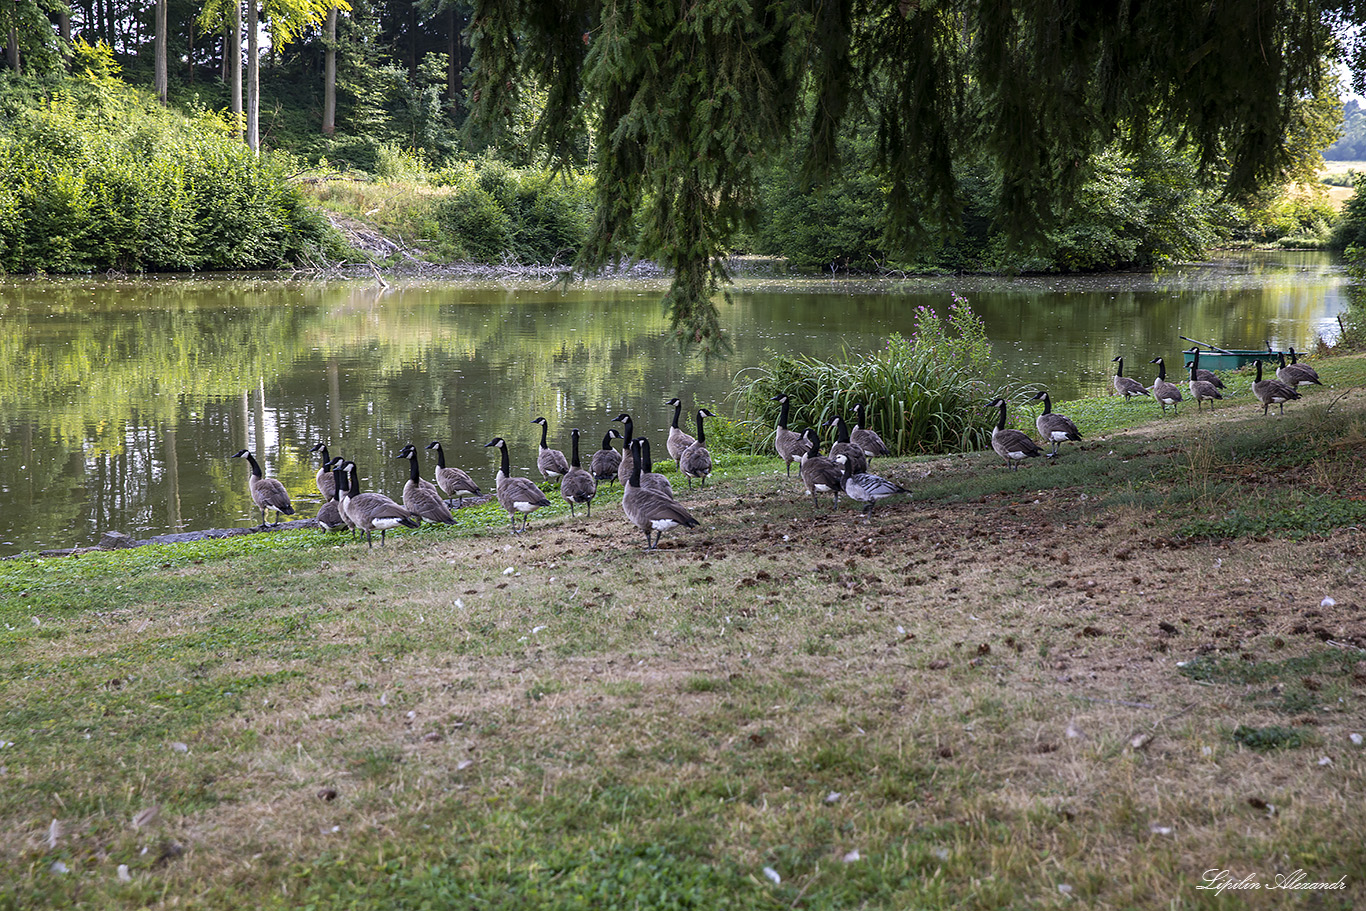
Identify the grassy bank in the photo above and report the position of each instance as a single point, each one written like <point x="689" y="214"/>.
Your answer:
<point x="1085" y="682"/>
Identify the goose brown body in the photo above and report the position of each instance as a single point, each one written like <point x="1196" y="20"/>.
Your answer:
<point x="451" y="480"/>
<point x="788" y="443"/>
<point x="519" y="496"/>
<point x="370" y="511"/>
<point x="821" y="474"/>
<point x="1010" y="444"/>
<point x="422" y="499"/>
<point x="649" y="510"/>
<point x="606" y="460"/>
<point x="577" y="486"/>
<point x="1126" y="386"/>
<point x="679" y="439"/>
<point x="266" y="493"/>
<point x="864" y="436"/>
<point x="1272" y="391"/>
<point x="695" y="461"/>
<point x="1164" y="392"/>
<point x="551" y="463"/>
<point x="1053" y="427"/>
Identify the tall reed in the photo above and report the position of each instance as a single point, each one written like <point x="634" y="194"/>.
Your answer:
<point x="925" y="393"/>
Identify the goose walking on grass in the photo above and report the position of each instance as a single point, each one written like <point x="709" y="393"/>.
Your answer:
<point x="518" y="495"/>
<point x="1208" y="376"/>
<point x="606" y="460"/>
<point x="1053" y="427"/>
<point x="788" y="443"/>
<point x="551" y="463"/>
<point x="1272" y="391"/>
<point x="1012" y="445"/>
<point x="453" y="482"/>
<point x="1126" y="386"/>
<point x="577" y="485"/>
<point x="1166" y="393"/>
<point x="324" y="479"/>
<point x="1296" y="374"/>
<point x="649" y="478"/>
<point x="650" y="511"/>
<point x="370" y="511"/>
<point x="845" y="446"/>
<point x="1202" y="390"/>
<point x="678" y="439"/>
<point x="821" y="474"/>
<point x="866" y="487"/>
<point x="421" y="498"/>
<point x="266" y="493"/>
<point x="695" y="461"/>
<point x="864" y="436"/>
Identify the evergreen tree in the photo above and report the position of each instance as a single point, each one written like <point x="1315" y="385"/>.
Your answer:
<point x="683" y="101"/>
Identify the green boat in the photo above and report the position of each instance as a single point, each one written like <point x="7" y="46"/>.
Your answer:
<point x="1231" y="358"/>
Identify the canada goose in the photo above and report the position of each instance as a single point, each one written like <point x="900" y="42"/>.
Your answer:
<point x="627" y="457"/>
<point x="678" y="439"/>
<point x="1166" y="393"/>
<point x="821" y="474"/>
<point x="1272" y="392"/>
<point x="551" y="463"/>
<point x="695" y="461"/>
<point x="649" y="510"/>
<point x="606" y="460"/>
<point x="788" y="443"/>
<point x="1209" y="376"/>
<point x="423" y="501"/>
<point x="1295" y="360"/>
<point x="1124" y="385"/>
<point x="577" y="485"/>
<point x="1012" y="445"/>
<point x="1295" y="374"/>
<point x="327" y="485"/>
<point x="452" y="481"/>
<point x="845" y="446"/>
<point x="516" y="494"/>
<point x="866" y="437"/>
<point x="649" y="478"/>
<point x="866" y="487"/>
<point x="1202" y="390"/>
<point x="1054" y="428"/>
<point x="267" y="493"/>
<point x="329" y="514"/>
<point x="369" y="511"/>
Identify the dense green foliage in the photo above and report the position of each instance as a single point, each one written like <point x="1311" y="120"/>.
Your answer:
<point x="924" y="394"/>
<point x="94" y="175"/>
<point x="499" y="213"/>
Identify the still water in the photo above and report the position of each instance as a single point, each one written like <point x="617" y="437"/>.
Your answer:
<point x="122" y="400"/>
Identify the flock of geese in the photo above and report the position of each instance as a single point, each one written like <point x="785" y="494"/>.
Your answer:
<point x="648" y="498"/>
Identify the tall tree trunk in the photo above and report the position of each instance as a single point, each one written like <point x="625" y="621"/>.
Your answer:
<point x="412" y="41"/>
<point x="452" y="55"/>
<point x="160" y="79"/>
<point x="227" y="50"/>
<point x="330" y="74"/>
<point x="253" y="77"/>
<point x="235" y="66"/>
<point x="64" y="25"/>
<point x="12" y="50"/>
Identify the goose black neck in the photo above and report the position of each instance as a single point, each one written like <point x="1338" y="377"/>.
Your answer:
<point x="1047" y="404"/>
<point x="638" y="458"/>
<point x="678" y="409"/>
<point x="255" y="469"/>
<point x="1119" y="366"/>
<point x="1161" y="369"/>
<point x="841" y="430"/>
<point x="1281" y="355"/>
<point x="1001" y="421"/>
<point x="643" y="444"/>
<point x="353" y="485"/>
<point x="1259" y="372"/>
<point x="440" y="456"/>
<point x="814" y="439"/>
<point x="413" y="474"/>
<point x="630" y="428"/>
<point x="701" y="436"/>
<point x="507" y="466"/>
<point x="574" y="448"/>
<point x="338" y="482"/>
<point x="322" y="454"/>
<point x="544" y="428"/>
<point x="782" y="414"/>
<point x="607" y="440"/>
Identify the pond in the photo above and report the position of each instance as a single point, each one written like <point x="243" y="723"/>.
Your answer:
<point x="123" y="399"/>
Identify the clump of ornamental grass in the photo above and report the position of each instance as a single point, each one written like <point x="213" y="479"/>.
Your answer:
<point x="925" y="393"/>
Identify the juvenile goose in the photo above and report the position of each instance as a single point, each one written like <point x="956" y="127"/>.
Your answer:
<point x="1272" y="392"/>
<point x="1202" y="390"/>
<point x="420" y="497"/>
<point x="370" y="511"/>
<point x="452" y="481"/>
<point x="695" y="461"/>
<point x="1296" y="374"/>
<point x="326" y="483"/>
<point x="516" y="494"/>
<point x="649" y="478"/>
<point x="606" y="460"/>
<point x="865" y="437"/>
<point x="1054" y="428"/>
<point x="788" y="443"/>
<point x="577" y="485"/>
<point x="627" y="452"/>
<point x="551" y="463"/>
<point x="866" y="487"/>
<point x="678" y="439"/>
<point x="329" y="514"/>
<point x="1124" y="385"/>
<point x="1209" y="376"/>
<point x="266" y="493"/>
<point x="649" y="510"/>
<point x="821" y="474"/>
<point x="1166" y="393"/>
<point x="1012" y="445"/>
<point x="846" y="446"/>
